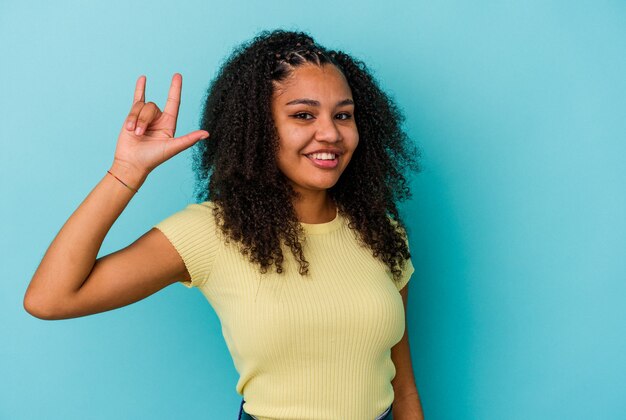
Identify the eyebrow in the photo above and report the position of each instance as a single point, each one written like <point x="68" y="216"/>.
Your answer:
<point x="313" y="102"/>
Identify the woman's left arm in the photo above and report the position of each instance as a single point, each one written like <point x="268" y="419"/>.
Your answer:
<point x="406" y="404"/>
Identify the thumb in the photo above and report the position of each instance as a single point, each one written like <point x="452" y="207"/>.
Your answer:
<point x="181" y="143"/>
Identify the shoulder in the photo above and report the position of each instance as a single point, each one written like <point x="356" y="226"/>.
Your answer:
<point x="205" y="206"/>
<point x="192" y="211"/>
<point x="193" y="233"/>
<point x="406" y="265"/>
<point x="196" y="219"/>
<point x="398" y="226"/>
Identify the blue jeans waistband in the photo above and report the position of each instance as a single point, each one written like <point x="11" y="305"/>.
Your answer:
<point x="386" y="415"/>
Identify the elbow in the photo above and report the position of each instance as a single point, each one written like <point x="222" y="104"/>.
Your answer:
<point x="37" y="309"/>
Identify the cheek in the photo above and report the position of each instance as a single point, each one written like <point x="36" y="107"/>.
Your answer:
<point x="351" y="143"/>
<point x="282" y="158"/>
<point x="292" y="140"/>
<point x="287" y="155"/>
<point x="352" y="139"/>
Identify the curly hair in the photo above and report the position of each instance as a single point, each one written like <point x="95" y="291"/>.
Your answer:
<point x="237" y="168"/>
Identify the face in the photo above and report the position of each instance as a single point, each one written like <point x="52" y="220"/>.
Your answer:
<point x="313" y="112"/>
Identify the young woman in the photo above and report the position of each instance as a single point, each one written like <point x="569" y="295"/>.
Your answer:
<point x="296" y="242"/>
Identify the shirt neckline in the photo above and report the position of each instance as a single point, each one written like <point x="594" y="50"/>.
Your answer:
<point x="317" y="228"/>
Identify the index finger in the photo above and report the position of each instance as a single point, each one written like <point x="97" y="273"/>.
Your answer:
<point x="140" y="90"/>
<point x="173" y="97"/>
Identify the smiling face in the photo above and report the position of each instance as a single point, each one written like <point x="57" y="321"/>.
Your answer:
<point x="313" y="112"/>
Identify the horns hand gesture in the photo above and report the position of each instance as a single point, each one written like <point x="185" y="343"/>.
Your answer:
<point x="147" y="137"/>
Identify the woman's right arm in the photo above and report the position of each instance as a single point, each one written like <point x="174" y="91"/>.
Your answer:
<point x="69" y="281"/>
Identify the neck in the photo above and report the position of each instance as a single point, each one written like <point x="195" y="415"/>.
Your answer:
<point x="314" y="207"/>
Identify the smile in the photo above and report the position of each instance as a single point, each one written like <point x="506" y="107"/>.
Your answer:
<point x="324" y="160"/>
<point x="322" y="156"/>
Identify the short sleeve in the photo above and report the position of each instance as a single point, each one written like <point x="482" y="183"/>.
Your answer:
<point x="407" y="272"/>
<point x="192" y="233"/>
<point x="408" y="269"/>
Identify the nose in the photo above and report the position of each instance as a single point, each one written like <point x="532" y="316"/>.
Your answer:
<point x="327" y="130"/>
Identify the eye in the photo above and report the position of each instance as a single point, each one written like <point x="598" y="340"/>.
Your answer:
<point x="302" y="116"/>
<point x="343" y="116"/>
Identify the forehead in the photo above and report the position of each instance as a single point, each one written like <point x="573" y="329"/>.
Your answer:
<point x="313" y="82"/>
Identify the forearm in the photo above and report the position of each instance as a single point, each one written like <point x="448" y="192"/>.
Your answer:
<point x="72" y="254"/>
<point x="408" y="407"/>
<point x="406" y="403"/>
<point x="404" y="381"/>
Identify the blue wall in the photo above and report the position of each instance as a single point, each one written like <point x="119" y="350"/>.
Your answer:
<point x="517" y="223"/>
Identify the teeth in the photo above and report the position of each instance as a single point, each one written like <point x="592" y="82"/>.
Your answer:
<point x="323" y="156"/>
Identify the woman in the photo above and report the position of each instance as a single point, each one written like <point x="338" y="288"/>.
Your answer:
<point x="298" y="244"/>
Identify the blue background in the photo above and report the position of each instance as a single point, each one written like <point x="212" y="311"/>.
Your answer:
<point x="517" y="224"/>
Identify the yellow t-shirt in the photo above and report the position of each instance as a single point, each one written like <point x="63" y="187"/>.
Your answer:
<point x="310" y="347"/>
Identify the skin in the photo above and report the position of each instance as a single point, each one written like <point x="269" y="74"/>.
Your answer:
<point x="325" y="119"/>
<point x="70" y="282"/>
<point x="406" y="403"/>
<point x="313" y="110"/>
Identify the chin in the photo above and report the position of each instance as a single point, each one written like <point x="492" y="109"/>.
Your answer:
<point x="315" y="186"/>
<point x="326" y="185"/>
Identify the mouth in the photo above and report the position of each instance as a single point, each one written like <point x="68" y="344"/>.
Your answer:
<point x="324" y="160"/>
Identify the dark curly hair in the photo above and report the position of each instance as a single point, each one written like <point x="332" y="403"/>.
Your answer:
<point x="237" y="169"/>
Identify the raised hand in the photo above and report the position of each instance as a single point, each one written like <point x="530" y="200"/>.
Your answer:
<point x="147" y="137"/>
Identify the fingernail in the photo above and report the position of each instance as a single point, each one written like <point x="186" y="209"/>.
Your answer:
<point x="130" y="125"/>
<point x="138" y="131"/>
